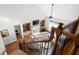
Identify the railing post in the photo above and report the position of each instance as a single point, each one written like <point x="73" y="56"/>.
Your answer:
<point x="51" y="34"/>
<point x="58" y="33"/>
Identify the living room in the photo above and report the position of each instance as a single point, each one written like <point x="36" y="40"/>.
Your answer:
<point x="20" y="21"/>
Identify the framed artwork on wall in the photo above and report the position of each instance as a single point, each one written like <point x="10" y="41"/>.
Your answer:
<point x="4" y="33"/>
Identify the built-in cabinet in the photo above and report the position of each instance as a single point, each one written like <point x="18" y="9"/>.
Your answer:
<point x="26" y="27"/>
<point x="42" y="25"/>
<point x="34" y="27"/>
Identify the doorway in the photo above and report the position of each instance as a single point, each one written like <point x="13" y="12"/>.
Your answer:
<point x="18" y="32"/>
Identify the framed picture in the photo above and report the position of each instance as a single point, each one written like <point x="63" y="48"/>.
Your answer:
<point x="4" y="33"/>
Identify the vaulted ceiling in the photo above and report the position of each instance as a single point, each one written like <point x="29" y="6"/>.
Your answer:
<point x="24" y="12"/>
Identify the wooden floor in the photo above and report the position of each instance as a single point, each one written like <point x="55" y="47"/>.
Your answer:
<point x="14" y="45"/>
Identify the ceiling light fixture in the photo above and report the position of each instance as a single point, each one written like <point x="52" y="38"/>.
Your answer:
<point x="50" y="13"/>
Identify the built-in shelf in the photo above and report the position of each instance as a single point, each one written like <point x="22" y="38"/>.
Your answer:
<point x="26" y="27"/>
<point x="42" y="25"/>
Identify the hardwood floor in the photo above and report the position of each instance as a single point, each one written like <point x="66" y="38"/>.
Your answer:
<point x="12" y="47"/>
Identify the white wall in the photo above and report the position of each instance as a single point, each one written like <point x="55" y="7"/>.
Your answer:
<point x="66" y="11"/>
<point x="2" y="47"/>
<point x="22" y="13"/>
<point x="7" y="24"/>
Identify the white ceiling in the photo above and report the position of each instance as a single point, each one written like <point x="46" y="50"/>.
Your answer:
<point x="24" y="13"/>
